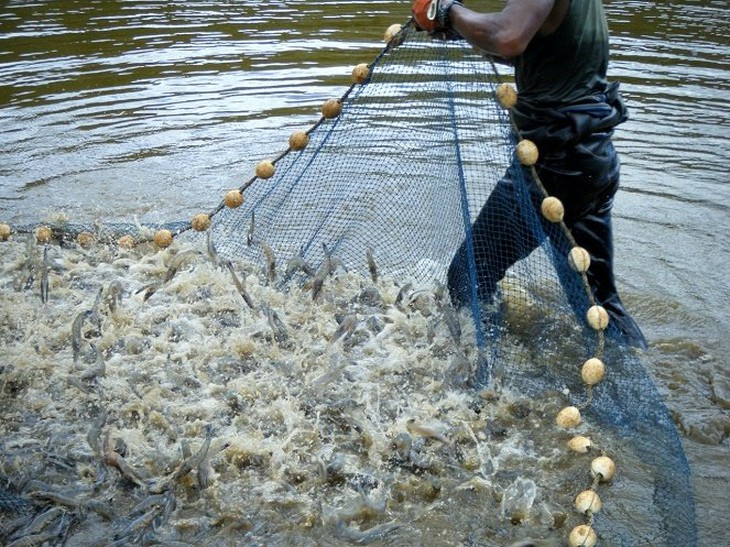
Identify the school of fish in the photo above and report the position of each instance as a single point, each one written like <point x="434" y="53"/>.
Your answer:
<point x="169" y="397"/>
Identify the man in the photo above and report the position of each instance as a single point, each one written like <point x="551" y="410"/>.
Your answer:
<point x="566" y="106"/>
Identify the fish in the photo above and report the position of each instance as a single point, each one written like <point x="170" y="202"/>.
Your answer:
<point x="206" y="474"/>
<point x="372" y="266"/>
<point x="317" y="284"/>
<point x="149" y="290"/>
<point x="95" y="315"/>
<point x="212" y="251"/>
<point x="57" y="497"/>
<point x="251" y="228"/>
<point x="185" y="466"/>
<point x="298" y="263"/>
<point x="31" y="278"/>
<point x="276" y="324"/>
<point x="34" y="540"/>
<point x="177" y="262"/>
<point x="44" y="276"/>
<point x="42" y="521"/>
<point x="168" y="506"/>
<point x="76" y="335"/>
<point x="402" y="294"/>
<point x="113" y="459"/>
<point x="345" y="328"/>
<point x="114" y="295"/>
<point x="324" y="270"/>
<point x="439" y="291"/>
<point x="364" y="537"/>
<point x="401" y="445"/>
<point x="432" y="429"/>
<point x="98" y="370"/>
<point x="459" y="372"/>
<point x="337" y="263"/>
<point x="239" y="285"/>
<point x="337" y="365"/>
<point x="152" y="500"/>
<point x="528" y="542"/>
<point x="68" y="500"/>
<point x="270" y="262"/>
<point x="138" y="525"/>
<point x="93" y="437"/>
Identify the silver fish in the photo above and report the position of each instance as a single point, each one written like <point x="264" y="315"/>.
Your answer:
<point x="270" y="262"/>
<point x="114" y="295"/>
<point x="239" y="285"/>
<point x="528" y="542"/>
<point x="34" y="540"/>
<point x="177" y="262"/>
<point x="346" y="327"/>
<point x="325" y="269"/>
<point x="44" y="276"/>
<point x="459" y="371"/>
<point x="93" y="437"/>
<point x="276" y="324"/>
<point x="31" y="278"/>
<point x="113" y="459"/>
<point x="432" y="429"/>
<point x="298" y="263"/>
<point x="251" y="228"/>
<point x="205" y="474"/>
<point x="150" y="501"/>
<point x="371" y="264"/>
<point x="401" y="445"/>
<point x="139" y="524"/>
<point x="364" y="537"/>
<point x="99" y="369"/>
<point x="76" y="328"/>
<point x="402" y="294"/>
<point x="337" y="365"/>
<point x="95" y="315"/>
<point x="149" y="290"/>
<point x="42" y="521"/>
<point x="174" y="265"/>
<point x="212" y="251"/>
<point x="185" y="466"/>
<point x="58" y="498"/>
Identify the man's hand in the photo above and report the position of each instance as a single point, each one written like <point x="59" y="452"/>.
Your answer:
<point x="432" y="15"/>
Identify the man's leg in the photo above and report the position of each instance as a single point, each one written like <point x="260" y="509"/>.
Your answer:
<point x="593" y="232"/>
<point x="586" y="180"/>
<point x="499" y="238"/>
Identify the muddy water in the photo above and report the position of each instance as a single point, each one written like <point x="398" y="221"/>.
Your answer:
<point x="146" y="402"/>
<point x="117" y="111"/>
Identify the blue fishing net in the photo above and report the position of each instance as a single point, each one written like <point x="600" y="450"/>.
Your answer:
<point x="400" y="175"/>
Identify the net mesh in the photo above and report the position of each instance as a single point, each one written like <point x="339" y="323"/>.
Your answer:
<point x="389" y="187"/>
<point x="402" y="173"/>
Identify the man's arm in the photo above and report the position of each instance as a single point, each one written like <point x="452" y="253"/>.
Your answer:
<point x="506" y="33"/>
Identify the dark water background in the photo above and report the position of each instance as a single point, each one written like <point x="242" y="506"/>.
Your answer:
<point x="151" y="110"/>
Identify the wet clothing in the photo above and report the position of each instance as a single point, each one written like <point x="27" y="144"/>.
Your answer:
<point x="568" y="109"/>
<point x="569" y="64"/>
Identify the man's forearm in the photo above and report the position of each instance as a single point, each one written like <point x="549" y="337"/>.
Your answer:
<point x="504" y="34"/>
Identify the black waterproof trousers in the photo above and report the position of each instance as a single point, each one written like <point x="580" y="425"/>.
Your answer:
<point x="585" y="178"/>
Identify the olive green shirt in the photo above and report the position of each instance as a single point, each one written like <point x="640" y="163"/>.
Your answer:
<point x="563" y="95"/>
<point x="568" y="64"/>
